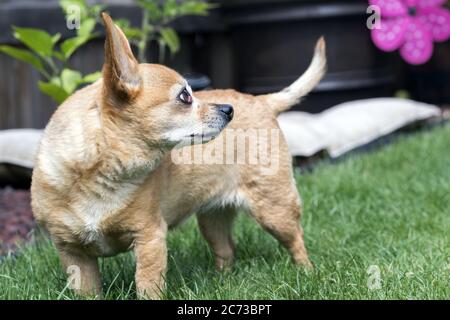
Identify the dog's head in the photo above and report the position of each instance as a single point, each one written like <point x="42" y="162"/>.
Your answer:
<point x="154" y="101"/>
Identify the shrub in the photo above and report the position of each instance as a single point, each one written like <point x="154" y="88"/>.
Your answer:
<point x="50" y="59"/>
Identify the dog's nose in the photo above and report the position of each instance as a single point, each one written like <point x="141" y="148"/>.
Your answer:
<point x="227" y="110"/>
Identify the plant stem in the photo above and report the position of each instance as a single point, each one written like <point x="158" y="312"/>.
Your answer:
<point x="143" y="42"/>
<point x="46" y="75"/>
<point x="162" y="52"/>
<point x="52" y="65"/>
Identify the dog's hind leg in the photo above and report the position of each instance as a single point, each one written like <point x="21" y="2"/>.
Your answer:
<point x="278" y="212"/>
<point x="216" y="227"/>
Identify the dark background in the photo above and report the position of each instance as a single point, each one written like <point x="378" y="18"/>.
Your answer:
<point x="255" y="46"/>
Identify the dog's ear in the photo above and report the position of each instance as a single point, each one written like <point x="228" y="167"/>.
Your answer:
<point x="121" y="70"/>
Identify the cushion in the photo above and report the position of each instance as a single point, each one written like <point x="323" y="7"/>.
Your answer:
<point x="350" y="125"/>
<point x="19" y="146"/>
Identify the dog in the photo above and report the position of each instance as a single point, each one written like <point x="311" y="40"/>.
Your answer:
<point x="105" y="180"/>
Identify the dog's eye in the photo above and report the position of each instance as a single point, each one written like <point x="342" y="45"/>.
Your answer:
<point x="185" y="97"/>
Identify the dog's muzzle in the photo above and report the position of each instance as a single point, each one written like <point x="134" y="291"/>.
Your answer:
<point x="226" y="111"/>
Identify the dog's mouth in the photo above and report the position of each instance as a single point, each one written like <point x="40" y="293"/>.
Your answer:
<point x="203" y="137"/>
<point x="206" y="135"/>
<point x="202" y="134"/>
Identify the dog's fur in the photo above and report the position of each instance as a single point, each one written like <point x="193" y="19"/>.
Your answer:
<point x="104" y="180"/>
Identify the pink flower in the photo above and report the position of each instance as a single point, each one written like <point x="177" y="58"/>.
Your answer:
<point x="411" y="26"/>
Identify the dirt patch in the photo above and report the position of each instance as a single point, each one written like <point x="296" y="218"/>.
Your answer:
<point x="16" y="219"/>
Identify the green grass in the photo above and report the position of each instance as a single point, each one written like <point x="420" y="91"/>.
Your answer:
<point x="389" y="208"/>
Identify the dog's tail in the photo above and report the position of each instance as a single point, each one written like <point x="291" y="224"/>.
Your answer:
<point x="290" y="96"/>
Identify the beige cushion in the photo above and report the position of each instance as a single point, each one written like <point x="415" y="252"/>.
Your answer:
<point x="19" y="146"/>
<point x="350" y="125"/>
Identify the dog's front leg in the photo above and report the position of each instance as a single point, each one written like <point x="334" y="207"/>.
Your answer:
<point x="84" y="272"/>
<point x="151" y="261"/>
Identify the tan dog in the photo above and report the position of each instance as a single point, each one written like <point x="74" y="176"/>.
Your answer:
<point x="105" y="180"/>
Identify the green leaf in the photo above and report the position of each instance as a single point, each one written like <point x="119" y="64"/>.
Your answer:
<point x="170" y="37"/>
<point x="170" y="8"/>
<point x="59" y="56"/>
<point x="194" y="8"/>
<point x="92" y="77"/>
<point x="81" y="4"/>
<point x="55" y="80"/>
<point x="86" y="27"/>
<point x="133" y="33"/>
<point x="37" y="40"/>
<point x="130" y="32"/>
<point x="70" y="80"/>
<point x="94" y="11"/>
<point x="23" y="55"/>
<point x="152" y="8"/>
<point x="69" y="46"/>
<point x="56" y="38"/>
<point x="53" y="90"/>
<point x="122" y="23"/>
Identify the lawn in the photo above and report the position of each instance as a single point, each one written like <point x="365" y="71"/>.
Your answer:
<point x="389" y="209"/>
